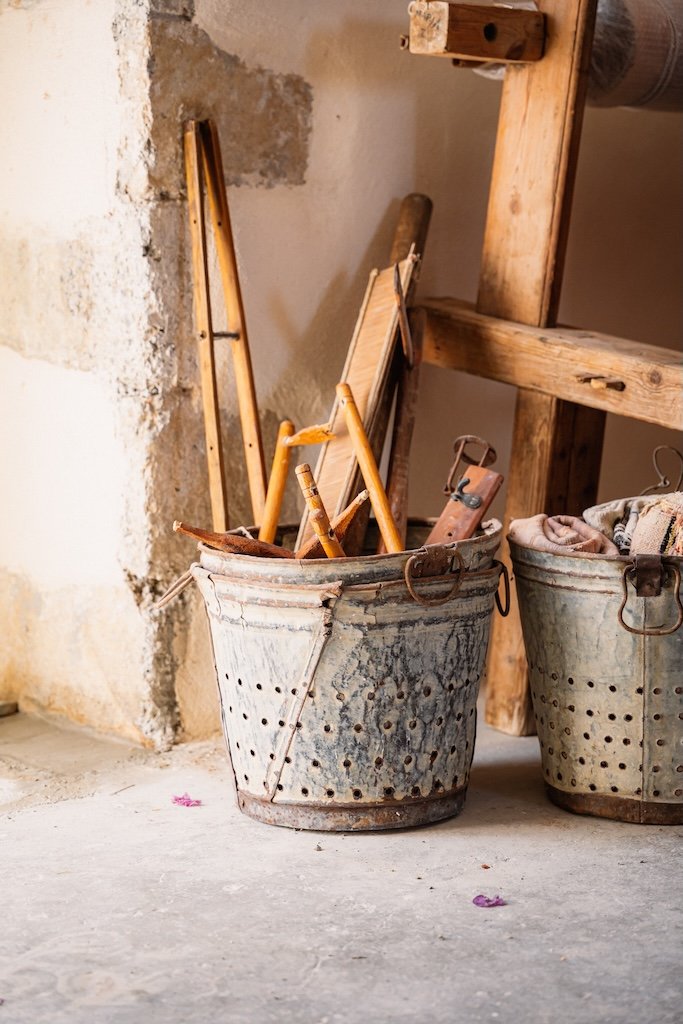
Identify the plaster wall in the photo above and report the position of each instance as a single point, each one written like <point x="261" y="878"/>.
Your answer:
<point x="325" y="125"/>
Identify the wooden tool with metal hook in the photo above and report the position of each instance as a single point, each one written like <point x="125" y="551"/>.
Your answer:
<point x="567" y="379"/>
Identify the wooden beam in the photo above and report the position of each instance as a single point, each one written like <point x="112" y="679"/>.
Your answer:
<point x="525" y="238"/>
<point x="474" y="33"/>
<point x="642" y="382"/>
<point x="534" y="166"/>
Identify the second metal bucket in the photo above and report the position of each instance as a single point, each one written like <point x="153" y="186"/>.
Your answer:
<point x="348" y="687"/>
<point x="606" y="674"/>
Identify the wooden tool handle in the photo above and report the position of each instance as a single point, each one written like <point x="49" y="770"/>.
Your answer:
<point x="369" y="470"/>
<point x="317" y="514"/>
<point x="233" y="542"/>
<point x="276" y="484"/>
<point x="341" y="525"/>
<point x="412" y="226"/>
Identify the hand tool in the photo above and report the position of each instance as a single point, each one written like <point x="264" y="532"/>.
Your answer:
<point x="341" y="524"/>
<point x="317" y="514"/>
<point x="470" y="497"/>
<point x="368" y="468"/>
<point x="276" y="483"/>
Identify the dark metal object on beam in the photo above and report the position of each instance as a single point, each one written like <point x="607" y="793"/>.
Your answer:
<point x="476" y="34"/>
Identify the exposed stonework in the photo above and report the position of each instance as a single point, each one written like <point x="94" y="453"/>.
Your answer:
<point x="263" y="118"/>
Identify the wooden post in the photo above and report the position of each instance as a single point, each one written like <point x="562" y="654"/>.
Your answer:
<point x="557" y="446"/>
<point x="202" y="315"/>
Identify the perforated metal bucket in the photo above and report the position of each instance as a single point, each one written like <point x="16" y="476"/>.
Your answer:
<point x="606" y="673"/>
<point x="348" y="687"/>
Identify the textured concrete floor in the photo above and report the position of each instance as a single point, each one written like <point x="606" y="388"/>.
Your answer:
<point x="120" y="908"/>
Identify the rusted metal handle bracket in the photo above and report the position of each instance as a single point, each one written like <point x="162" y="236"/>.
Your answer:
<point x="648" y="574"/>
<point x="415" y="568"/>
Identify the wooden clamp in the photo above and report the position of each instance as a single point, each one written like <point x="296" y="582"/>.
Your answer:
<point x="472" y="33"/>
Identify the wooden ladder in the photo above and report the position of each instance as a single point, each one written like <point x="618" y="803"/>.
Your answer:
<point x="567" y="379"/>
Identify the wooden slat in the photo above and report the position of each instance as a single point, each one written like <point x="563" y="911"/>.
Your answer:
<point x="204" y="328"/>
<point x="521" y="273"/>
<point x="366" y="371"/>
<point x="557" y="361"/>
<point x="472" y="32"/>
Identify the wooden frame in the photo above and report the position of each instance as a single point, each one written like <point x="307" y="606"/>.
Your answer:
<point x="567" y="379"/>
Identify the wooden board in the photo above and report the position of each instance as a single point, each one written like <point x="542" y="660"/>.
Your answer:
<point x="521" y="272"/>
<point x="366" y="371"/>
<point x="559" y="361"/>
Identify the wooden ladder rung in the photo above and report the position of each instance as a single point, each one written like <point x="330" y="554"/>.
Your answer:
<point x="642" y="382"/>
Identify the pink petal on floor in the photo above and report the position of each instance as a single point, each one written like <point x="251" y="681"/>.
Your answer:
<point x="186" y="801"/>
<point x="488" y="901"/>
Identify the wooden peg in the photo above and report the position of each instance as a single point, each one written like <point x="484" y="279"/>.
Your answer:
<point x="369" y="470"/>
<point x="276" y="483"/>
<point x="318" y="516"/>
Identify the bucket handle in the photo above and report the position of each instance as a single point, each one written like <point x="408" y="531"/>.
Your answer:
<point x="629" y="574"/>
<point x="433" y="602"/>
<point x="504" y="610"/>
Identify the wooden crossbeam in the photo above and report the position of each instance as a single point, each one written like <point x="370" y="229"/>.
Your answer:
<point x="642" y="382"/>
<point x="471" y="32"/>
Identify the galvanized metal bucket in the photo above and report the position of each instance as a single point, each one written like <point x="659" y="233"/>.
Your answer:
<point x="606" y="672"/>
<point x="348" y="686"/>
